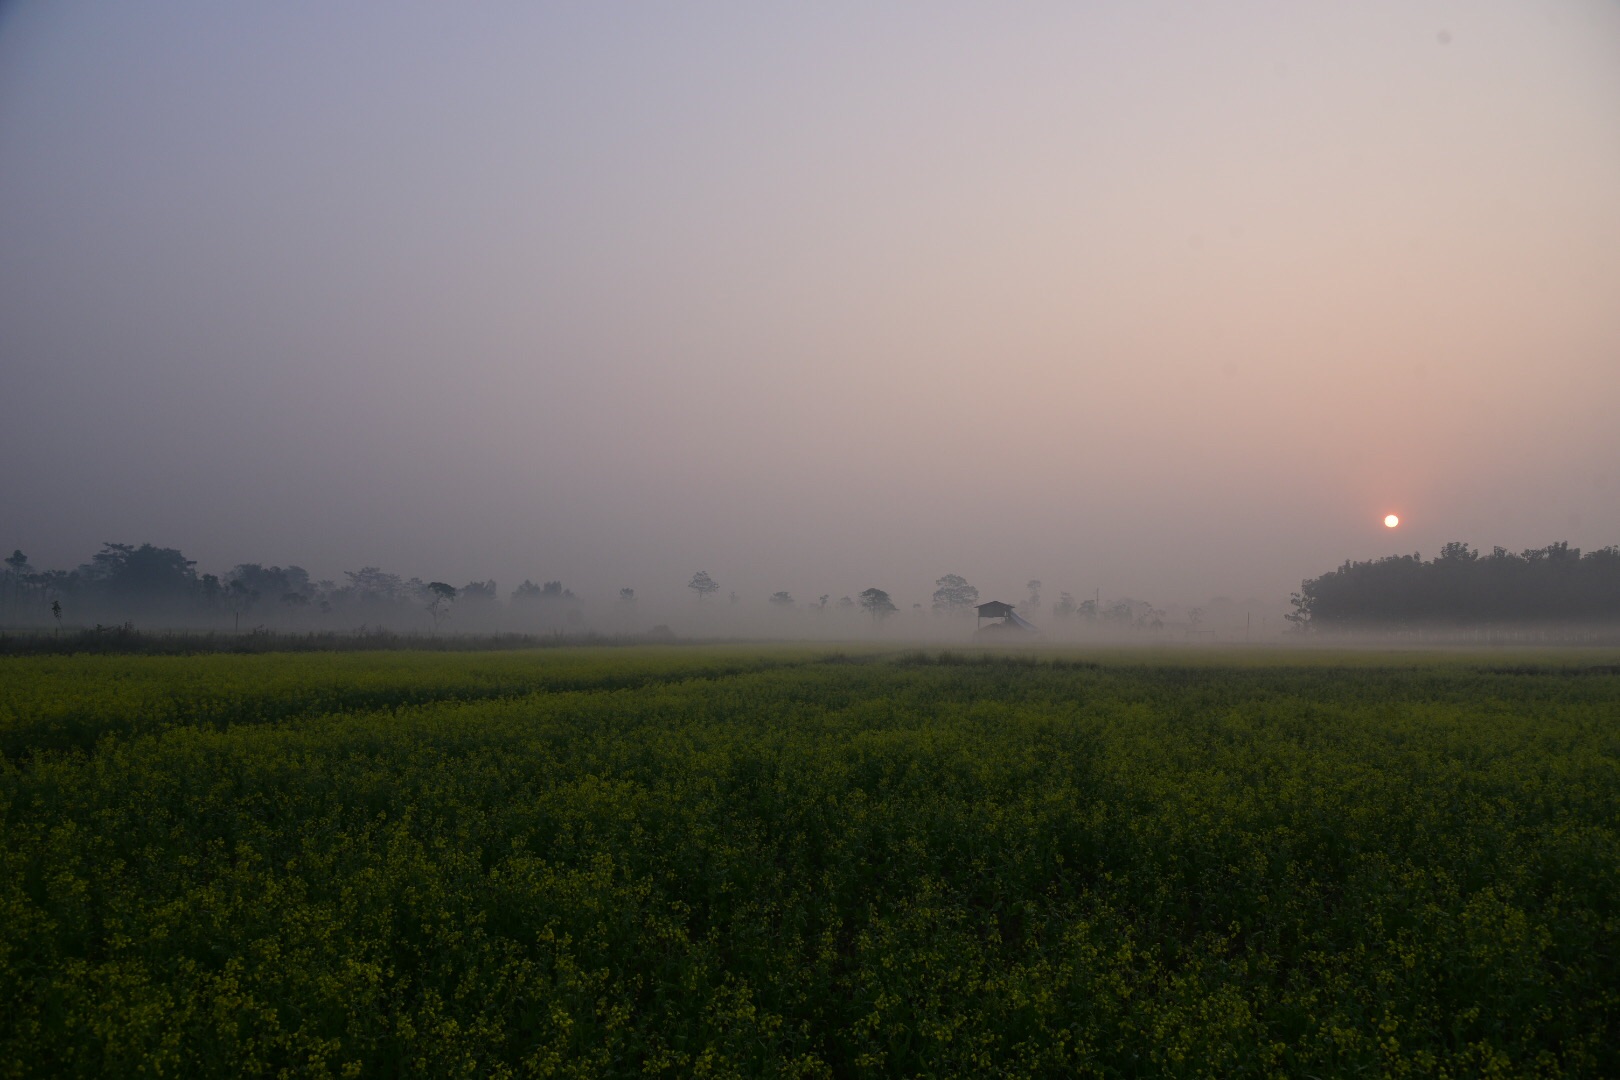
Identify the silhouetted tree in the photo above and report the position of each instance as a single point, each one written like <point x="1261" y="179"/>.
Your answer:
<point x="876" y="603"/>
<point x="17" y="575"/>
<point x="371" y="585"/>
<point x="271" y="580"/>
<point x="241" y="598"/>
<point x="1034" y="587"/>
<point x="480" y="592"/>
<point x="57" y="584"/>
<point x="1301" y="615"/>
<point x="438" y="596"/>
<point x="954" y="595"/>
<point x="150" y="578"/>
<point x="703" y="584"/>
<point x="17" y="568"/>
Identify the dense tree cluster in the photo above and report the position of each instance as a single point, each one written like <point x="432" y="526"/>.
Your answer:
<point x="1551" y="584"/>
<point x="156" y="584"/>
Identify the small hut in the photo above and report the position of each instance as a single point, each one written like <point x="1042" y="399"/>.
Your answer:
<point x="1005" y="618"/>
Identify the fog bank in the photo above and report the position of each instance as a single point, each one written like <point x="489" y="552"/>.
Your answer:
<point x="1159" y="303"/>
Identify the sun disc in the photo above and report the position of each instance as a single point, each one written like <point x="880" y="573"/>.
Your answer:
<point x="1391" y="521"/>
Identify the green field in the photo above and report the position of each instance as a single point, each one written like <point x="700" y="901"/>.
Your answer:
<point x="784" y="861"/>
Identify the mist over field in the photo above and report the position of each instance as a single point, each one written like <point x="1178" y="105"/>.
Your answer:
<point x="1160" y="305"/>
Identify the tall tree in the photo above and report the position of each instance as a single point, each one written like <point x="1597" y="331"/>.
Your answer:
<point x="479" y="595"/>
<point x="272" y="580"/>
<point x="703" y="584"/>
<point x="17" y="574"/>
<point x="371" y="584"/>
<point x="876" y="603"/>
<point x="241" y="598"/>
<point x="151" y="577"/>
<point x="437" y="597"/>
<point x="954" y="595"/>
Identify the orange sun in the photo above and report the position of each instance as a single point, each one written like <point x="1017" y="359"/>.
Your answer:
<point x="1390" y="521"/>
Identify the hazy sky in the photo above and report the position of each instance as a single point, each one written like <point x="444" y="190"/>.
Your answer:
<point x="1168" y="300"/>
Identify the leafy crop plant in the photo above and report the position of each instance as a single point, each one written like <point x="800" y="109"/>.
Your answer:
<point x="706" y="861"/>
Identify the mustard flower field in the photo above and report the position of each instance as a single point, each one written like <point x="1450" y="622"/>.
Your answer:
<point x="704" y="861"/>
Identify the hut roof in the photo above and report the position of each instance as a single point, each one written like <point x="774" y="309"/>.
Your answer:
<point x="995" y="609"/>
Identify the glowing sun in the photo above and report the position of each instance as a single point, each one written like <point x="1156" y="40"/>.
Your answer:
<point x="1390" y="521"/>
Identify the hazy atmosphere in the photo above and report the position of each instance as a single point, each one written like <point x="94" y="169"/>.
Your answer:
<point x="1168" y="301"/>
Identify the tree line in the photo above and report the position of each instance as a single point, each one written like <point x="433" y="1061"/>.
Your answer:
<point x="127" y="580"/>
<point x="954" y="596"/>
<point x="1556" y="583"/>
<point x="160" y="585"/>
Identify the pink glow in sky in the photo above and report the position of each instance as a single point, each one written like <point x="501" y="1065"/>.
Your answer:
<point x="1163" y="299"/>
